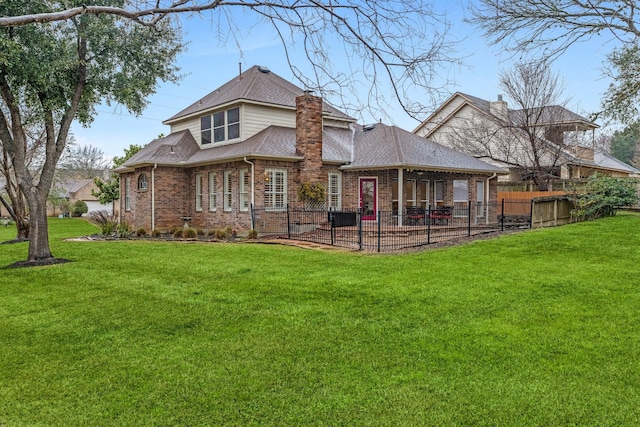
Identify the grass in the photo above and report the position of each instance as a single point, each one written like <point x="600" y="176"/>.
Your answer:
<point x="538" y="328"/>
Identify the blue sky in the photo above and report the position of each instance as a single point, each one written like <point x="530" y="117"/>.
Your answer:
<point x="206" y="65"/>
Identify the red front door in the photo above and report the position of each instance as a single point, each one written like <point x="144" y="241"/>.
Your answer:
<point x="368" y="198"/>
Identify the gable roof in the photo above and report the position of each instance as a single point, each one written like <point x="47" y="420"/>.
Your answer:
<point x="551" y="115"/>
<point x="382" y="147"/>
<point x="257" y="84"/>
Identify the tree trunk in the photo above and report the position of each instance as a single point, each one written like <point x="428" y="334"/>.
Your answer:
<point x="38" y="230"/>
<point x="22" y="228"/>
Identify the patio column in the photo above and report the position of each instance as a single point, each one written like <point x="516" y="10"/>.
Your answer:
<point x="400" y="201"/>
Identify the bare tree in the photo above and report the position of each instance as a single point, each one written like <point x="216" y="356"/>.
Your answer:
<point x="547" y="28"/>
<point x="83" y="162"/>
<point x="550" y="27"/>
<point x="531" y="138"/>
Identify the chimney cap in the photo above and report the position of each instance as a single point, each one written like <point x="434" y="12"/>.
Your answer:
<point x="499" y="97"/>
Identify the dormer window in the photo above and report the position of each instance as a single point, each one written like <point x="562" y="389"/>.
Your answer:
<point x="221" y="126"/>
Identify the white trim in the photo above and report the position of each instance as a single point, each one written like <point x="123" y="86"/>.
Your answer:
<point x="338" y="176"/>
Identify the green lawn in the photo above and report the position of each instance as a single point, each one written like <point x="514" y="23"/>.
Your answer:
<point x="538" y="328"/>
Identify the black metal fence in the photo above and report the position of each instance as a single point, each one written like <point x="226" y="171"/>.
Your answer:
<point x="385" y="231"/>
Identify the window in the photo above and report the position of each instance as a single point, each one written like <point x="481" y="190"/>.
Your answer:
<point x="198" y="192"/>
<point x="213" y="199"/>
<point x="233" y="123"/>
<point x="460" y="196"/>
<point x="227" y="191"/>
<point x="127" y="194"/>
<point x="335" y="191"/>
<point x="409" y="193"/>
<point x="143" y="183"/>
<point x="220" y="126"/>
<point x="479" y="198"/>
<point x="275" y="189"/>
<point x="423" y="194"/>
<point x="205" y="130"/>
<point x="439" y="193"/>
<point x="244" y="189"/>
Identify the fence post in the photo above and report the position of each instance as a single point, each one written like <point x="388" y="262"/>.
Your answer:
<point x="531" y="215"/>
<point x="469" y="218"/>
<point x="331" y="228"/>
<point x="429" y="225"/>
<point x="288" y="223"/>
<point x="253" y="217"/>
<point x="502" y="216"/>
<point x="379" y="225"/>
<point x="360" y="229"/>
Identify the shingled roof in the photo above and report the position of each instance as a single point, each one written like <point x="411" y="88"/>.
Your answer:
<point x="550" y="115"/>
<point x="382" y="147"/>
<point x="257" y="84"/>
<point x="180" y="149"/>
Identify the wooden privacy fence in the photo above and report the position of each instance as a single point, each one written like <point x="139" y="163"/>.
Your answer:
<point x="518" y="202"/>
<point x="550" y="211"/>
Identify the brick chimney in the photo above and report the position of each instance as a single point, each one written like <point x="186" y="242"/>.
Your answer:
<point x="309" y="136"/>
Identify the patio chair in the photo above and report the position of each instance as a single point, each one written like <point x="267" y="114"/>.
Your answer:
<point x="415" y="215"/>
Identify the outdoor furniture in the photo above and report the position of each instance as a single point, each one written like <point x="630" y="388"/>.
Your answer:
<point x="441" y="215"/>
<point x="415" y="215"/>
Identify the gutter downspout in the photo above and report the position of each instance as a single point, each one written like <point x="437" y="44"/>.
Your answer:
<point x="253" y="191"/>
<point x="153" y="197"/>
<point x="400" y="201"/>
<point x="487" y="198"/>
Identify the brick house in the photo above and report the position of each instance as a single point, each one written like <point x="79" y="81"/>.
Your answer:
<point x="256" y="139"/>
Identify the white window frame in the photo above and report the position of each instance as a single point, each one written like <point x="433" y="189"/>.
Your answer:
<point x="213" y="196"/>
<point x="127" y="194"/>
<point x="206" y="130"/>
<point x="480" y="198"/>
<point x="198" y="192"/>
<point x="245" y="186"/>
<point x="227" y="196"/>
<point x="409" y="199"/>
<point x="425" y="192"/>
<point x="334" y="193"/>
<point x="460" y="205"/>
<point x="436" y="184"/>
<point x="275" y="199"/>
<point x="219" y="132"/>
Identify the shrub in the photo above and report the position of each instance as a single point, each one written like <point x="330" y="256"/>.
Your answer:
<point x="108" y="222"/>
<point x="602" y="195"/>
<point x="199" y="231"/>
<point x="177" y="232"/>
<point x="189" y="233"/>
<point x="253" y="234"/>
<point x="221" y="233"/>
<point x="141" y="232"/>
<point x="122" y="230"/>
<point x="79" y="208"/>
<point x="156" y="233"/>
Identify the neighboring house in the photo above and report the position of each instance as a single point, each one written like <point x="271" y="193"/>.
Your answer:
<point x="256" y="139"/>
<point x="80" y="189"/>
<point x="547" y="139"/>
